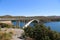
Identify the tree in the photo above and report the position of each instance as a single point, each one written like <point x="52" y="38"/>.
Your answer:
<point x="40" y="32"/>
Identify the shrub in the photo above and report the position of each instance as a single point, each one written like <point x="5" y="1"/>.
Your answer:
<point x="40" y="32"/>
<point x="5" y="36"/>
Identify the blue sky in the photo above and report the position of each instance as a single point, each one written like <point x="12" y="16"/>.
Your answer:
<point x="30" y="7"/>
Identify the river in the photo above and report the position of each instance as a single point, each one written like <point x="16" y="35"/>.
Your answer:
<point x="55" y="26"/>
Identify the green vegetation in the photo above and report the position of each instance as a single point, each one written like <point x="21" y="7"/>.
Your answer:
<point x="5" y="36"/>
<point x="4" y="25"/>
<point x="40" y="32"/>
<point x="47" y="18"/>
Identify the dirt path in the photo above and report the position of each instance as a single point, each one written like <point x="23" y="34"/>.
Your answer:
<point x="18" y="33"/>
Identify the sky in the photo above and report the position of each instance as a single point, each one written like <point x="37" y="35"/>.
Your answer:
<point x="30" y="7"/>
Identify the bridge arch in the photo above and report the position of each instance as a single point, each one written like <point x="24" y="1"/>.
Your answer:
<point x="31" y="22"/>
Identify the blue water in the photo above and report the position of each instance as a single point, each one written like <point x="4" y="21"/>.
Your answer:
<point x="55" y="26"/>
<point x="21" y="24"/>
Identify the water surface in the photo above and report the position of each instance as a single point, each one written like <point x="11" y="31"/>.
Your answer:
<point x="55" y="26"/>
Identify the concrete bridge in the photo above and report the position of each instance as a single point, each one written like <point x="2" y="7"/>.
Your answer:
<point x="8" y="20"/>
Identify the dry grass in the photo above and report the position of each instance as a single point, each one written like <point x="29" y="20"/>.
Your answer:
<point x="5" y="35"/>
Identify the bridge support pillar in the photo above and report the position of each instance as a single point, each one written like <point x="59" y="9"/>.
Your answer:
<point x="17" y="23"/>
<point x="24" y="22"/>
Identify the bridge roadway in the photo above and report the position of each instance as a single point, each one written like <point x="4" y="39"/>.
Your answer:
<point x="18" y="18"/>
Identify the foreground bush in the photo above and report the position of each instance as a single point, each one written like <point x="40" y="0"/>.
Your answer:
<point x="5" y="36"/>
<point x="40" y="32"/>
<point x="4" y="25"/>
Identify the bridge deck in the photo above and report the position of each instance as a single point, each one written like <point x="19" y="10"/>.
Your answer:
<point x="15" y="18"/>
